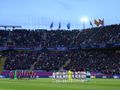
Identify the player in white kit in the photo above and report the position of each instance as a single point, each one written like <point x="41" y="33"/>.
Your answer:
<point x="54" y="75"/>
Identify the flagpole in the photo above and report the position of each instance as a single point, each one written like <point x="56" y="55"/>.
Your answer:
<point x="84" y="20"/>
<point x="84" y="25"/>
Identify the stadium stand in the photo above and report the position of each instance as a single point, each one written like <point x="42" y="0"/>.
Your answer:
<point x="91" y="49"/>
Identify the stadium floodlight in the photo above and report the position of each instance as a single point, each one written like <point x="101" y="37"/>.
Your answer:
<point x="84" y="20"/>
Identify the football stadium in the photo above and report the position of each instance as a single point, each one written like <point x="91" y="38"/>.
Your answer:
<point x="59" y="45"/>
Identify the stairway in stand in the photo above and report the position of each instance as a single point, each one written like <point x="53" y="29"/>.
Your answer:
<point x="2" y="61"/>
<point x="66" y="63"/>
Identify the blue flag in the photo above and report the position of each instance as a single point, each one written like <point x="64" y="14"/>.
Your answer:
<point x="68" y="26"/>
<point x="51" y="25"/>
<point x="59" y="25"/>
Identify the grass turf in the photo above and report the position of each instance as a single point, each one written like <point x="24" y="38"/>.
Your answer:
<point x="48" y="84"/>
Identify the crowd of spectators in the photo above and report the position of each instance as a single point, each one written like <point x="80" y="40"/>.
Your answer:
<point x="55" y="38"/>
<point x="107" y="62"/>
<point x="19" y="60"/>
<point x="103" y="61"/>
<point x="23" y="60"/>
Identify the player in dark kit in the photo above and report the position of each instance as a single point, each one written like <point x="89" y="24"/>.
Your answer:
<point x="11" y="75"/>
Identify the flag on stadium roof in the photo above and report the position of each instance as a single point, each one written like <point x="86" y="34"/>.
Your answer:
<point x="59" y="25"/>
<point x="101" y="22"/>
<point x="96" y="22"/>
<point x="68" y="26"/>
<point x="91" y="23"/>
<point x="51" y="25"/>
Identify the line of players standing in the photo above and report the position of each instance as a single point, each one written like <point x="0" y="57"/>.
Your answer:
<point x="22" y="74"/>
<point x="74" y="75"/>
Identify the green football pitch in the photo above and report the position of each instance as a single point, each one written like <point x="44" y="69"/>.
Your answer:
<point x="48" y="84"/>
